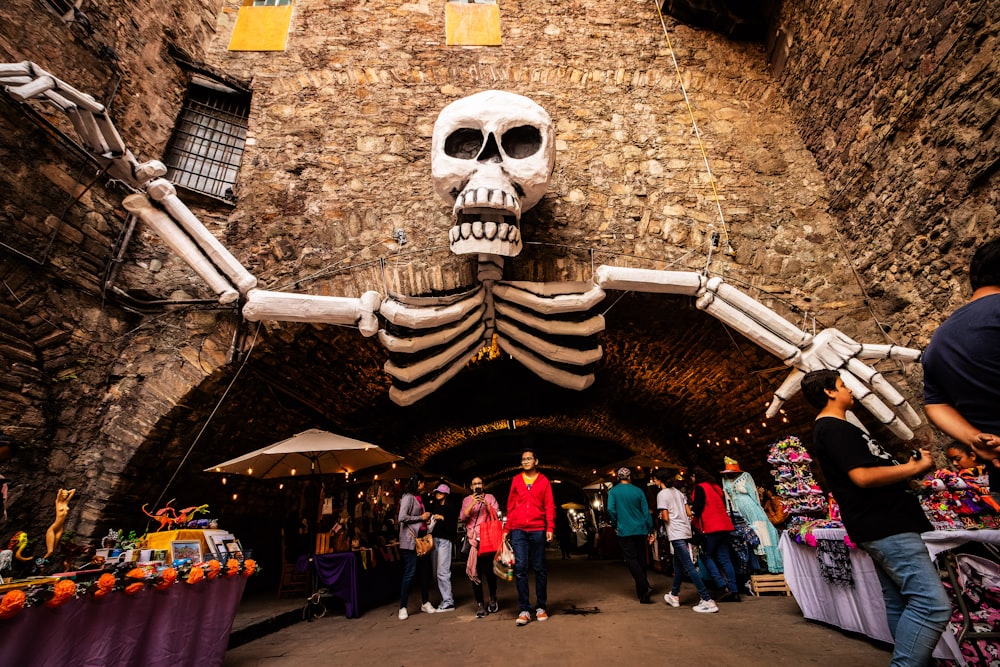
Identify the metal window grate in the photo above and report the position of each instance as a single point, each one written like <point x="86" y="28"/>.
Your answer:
<point x="207" y="146"/>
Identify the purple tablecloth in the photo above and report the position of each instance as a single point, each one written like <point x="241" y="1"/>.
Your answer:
<point x="339" y="573"/>
<point x="184" y="625"/>
<point x="361" y="584"/>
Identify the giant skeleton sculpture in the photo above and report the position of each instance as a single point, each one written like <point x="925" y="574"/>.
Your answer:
<point x="492" y="157"/>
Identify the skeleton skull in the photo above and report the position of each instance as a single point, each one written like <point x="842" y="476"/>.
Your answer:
<point x="492" y="156"/>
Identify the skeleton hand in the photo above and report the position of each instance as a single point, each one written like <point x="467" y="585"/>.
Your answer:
<point x="828" y="349"/>
<point x="832" y="349"/>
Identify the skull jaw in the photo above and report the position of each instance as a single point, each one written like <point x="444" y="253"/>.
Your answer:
<point x="489" y="227"/>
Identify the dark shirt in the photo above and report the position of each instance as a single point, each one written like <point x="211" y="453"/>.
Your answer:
<point x="962" y="363"/>
<point x="448" y="528"/>
<point x="871" y="513"/>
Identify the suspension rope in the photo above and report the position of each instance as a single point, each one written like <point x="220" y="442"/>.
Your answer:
<point x="694" y="125"/>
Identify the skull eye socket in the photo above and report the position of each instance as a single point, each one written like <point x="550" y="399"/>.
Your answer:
<point x="521" y="142"/>
<point x="464" y="144"/>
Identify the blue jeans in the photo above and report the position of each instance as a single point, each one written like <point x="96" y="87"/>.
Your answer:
<point x="717" y="555"/>
<point x="442" y="569"/>
<point x="683" y="563"/>
<point x="411" y="563"/>
<point x="916" y="604"/>
<point x="529" y="551"/>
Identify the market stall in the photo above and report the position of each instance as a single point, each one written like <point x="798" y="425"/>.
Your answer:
<point x="169" y="625"/>
<point x="362" y="579"/>
<point x="845" y="592"/>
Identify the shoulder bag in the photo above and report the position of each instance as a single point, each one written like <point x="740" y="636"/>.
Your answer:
<point x="423" y="544"/>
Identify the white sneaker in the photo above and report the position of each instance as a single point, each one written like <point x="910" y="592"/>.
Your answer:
<point x="402" y="614"/>
<point x="428" y="608"/>
<point x="706" y="607"/>
<point x="672" y="600"/>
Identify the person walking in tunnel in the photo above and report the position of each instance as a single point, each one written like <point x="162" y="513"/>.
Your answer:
<point x="676" y="514"/>
<point x="444" y="516"/>
<point x="476" y="510"/>
<point x="712" y="517"/>
<point x="531" y="519"/>
<point x="962" y="366"/>
<point x="412" y="523"/>
<point x="882" y="516"/>
<point x="629" y="512"/>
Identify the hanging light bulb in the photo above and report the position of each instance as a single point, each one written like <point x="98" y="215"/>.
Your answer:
<point x="223" y="480"/>
<point x="393" y="465"/>
<point x="235" y="496"/>
<point x="281" y="486"/>
<point x="293" y="472"/>
<point x="249" y="471"/>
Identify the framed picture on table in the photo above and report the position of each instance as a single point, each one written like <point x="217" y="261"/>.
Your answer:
<point x="233" y="548"/>
<point x="180" y="549"/>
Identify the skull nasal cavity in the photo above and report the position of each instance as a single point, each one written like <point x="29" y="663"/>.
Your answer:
<point x="490" y="152"/>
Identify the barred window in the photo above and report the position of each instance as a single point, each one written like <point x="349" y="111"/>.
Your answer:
<point x="205" y="152"/>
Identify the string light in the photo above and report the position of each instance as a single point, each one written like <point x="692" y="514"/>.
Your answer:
<point x="235" y="496"/>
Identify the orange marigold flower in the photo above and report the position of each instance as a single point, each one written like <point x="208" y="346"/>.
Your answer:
<point x="106" y="582"/>
<point x="12" y="603"/>
<point x="62" y="592"/>
<point x="167" y="579"/>
<point x="232" y="567"/>
<point x="136" y="573"/>
<point x="195" y="575"/>
<point x="134" y="588"/>
<point x="249" y="566"/>
<point x="213" y="568"/>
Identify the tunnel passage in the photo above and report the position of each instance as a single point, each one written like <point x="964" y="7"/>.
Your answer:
<point x="673" y="383"/>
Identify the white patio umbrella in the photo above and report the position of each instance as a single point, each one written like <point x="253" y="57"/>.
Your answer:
<point x="312" y="452"/>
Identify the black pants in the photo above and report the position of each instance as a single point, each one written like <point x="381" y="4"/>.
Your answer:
<point x="484" y="568"/>
<point x="633" y="548"/>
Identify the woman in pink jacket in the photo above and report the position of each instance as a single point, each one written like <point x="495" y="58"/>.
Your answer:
<point x="477" y="509"/>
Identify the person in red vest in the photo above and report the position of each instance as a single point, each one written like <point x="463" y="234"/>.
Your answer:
<point x="712" y="517"/>
<point x="531" y="520"/>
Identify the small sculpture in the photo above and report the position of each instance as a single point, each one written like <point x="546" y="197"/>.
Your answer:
<point x="55" y="531"/>
<point x="166" y="516"/>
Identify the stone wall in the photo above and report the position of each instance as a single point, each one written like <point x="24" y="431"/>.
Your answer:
<point x="898" y="102"/>
<point x="74" y="365"/>
<point x="340" y="139"/>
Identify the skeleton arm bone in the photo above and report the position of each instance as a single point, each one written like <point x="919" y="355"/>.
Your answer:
<point x="804" y="352"/>
<point x="291" y="307"/>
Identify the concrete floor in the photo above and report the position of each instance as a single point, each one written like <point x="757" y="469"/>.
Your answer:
<point x="768" y="630"/>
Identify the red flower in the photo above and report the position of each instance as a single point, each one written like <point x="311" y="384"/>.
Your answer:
<point x="12" y="603"/>
<point x="134" y="588"/>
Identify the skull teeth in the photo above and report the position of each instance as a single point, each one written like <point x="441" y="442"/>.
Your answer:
<point x="495" y="198"/>
<point x="490" y="231"/>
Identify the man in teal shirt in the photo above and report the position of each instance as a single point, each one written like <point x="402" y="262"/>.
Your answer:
<point x="629" y="511"/>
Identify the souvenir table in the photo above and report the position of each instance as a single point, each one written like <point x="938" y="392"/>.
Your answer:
<point x="183" y="625"/>
<point x="361" y="579"/>
<point x="860" y="608"/>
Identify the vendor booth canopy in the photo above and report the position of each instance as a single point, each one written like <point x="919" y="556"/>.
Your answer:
<point x="311" y="452"/>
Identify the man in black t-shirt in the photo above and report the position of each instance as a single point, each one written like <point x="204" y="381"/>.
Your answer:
<point x="882" y="516"/>
<point x="962" y="366"/>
